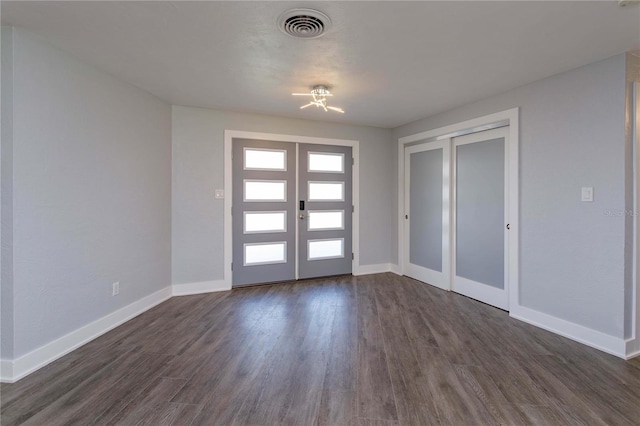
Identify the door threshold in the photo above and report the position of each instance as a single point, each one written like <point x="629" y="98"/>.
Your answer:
<point x="299" y="281"/>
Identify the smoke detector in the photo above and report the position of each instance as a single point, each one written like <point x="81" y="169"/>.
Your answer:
<point x="304" y="23"/>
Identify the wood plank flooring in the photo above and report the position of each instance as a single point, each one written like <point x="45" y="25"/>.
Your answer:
<point x="371" y="350"/>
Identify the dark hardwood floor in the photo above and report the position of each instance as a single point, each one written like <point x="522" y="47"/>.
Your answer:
<point x="372" y="350"/>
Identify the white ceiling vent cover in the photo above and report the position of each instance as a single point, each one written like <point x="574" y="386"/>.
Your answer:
<point x="304" y="23"/>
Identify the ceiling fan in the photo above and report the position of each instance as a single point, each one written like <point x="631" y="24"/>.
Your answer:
<point x="319" y="94"/>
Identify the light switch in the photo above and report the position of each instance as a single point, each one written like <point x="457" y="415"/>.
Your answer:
<point x="587" y="193"/>
<point x="219" y="194"/>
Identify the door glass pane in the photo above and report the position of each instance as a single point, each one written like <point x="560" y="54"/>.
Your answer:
<point x="255" y="222"/>
<point x="325" y="249"/>
<point x="325" y="220"/>
<point x="265" y="190"/>
<point x="326" y="191"/>
<point x="480" y="212"/>
<point x="264" y="159"/>
<point x="325" y="162"/>
<point x="264" y="253"/>
<point x="425" y="204"/>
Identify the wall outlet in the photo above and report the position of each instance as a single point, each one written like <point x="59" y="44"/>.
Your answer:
<point x="116" y="288"/>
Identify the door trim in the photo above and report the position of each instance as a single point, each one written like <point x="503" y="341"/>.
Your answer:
<point x="230" y="135"/>
<point x="509" y="118"/>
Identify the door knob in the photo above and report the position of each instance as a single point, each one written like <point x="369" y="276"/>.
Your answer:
<point x="301" y="216"/>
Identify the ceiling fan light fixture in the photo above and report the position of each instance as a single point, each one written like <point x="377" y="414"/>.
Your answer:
<point x="319" y="93"/>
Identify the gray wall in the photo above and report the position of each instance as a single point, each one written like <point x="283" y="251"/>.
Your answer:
<point x="92" y="193"/>
<point x="572" y="134"/>
<point x="197" y="218"/>
<point x="6" y="198"/>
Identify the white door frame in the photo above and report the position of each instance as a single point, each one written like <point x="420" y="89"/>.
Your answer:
<point x="509" y="118"/>
<point x="230" y="135"/>
<point x="632" y="344"/>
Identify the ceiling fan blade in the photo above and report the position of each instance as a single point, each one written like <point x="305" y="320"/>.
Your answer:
<point x="340" y="110"/>
<point x="307" y="105"/>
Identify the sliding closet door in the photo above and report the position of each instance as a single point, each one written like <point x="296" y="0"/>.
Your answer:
<point x="480" y="216"/>
<point x="427" y="183"/>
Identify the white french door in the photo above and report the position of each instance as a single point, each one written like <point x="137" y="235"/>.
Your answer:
<point x="457" y="215"/>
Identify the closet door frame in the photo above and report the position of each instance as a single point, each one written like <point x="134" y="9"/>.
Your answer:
<point x="505" y="118"/>
<point x="229" y="136"/>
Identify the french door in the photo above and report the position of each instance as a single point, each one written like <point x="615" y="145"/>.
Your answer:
<point x="292" y="211"/>
<point x="325" y="210"/>
<point x="456" y="215"/>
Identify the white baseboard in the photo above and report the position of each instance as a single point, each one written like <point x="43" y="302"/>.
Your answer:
<point x="373" y="269"/>
<point x="6" y="371"/>
<point x="631" y="355"/>
<point x="596" y="339"/>
<point x="200" y="287"/>
<point x="632" y="348"/>
<point x="12" y="371"/>
<point x="395" y="268"/>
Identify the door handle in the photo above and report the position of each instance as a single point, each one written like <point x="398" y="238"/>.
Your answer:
<point x="301" y="216"/>
<point x="508" y="226"/>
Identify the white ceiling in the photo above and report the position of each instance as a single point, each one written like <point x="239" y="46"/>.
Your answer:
<point x="388" y="63"/>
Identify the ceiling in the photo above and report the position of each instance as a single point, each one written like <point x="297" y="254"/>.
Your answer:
<point x="388" y="63"/>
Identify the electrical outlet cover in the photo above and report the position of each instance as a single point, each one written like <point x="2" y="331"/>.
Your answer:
<point x="587" y="193"/>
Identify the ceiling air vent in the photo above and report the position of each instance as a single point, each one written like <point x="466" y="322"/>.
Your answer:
<point x="304" y="23"/>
